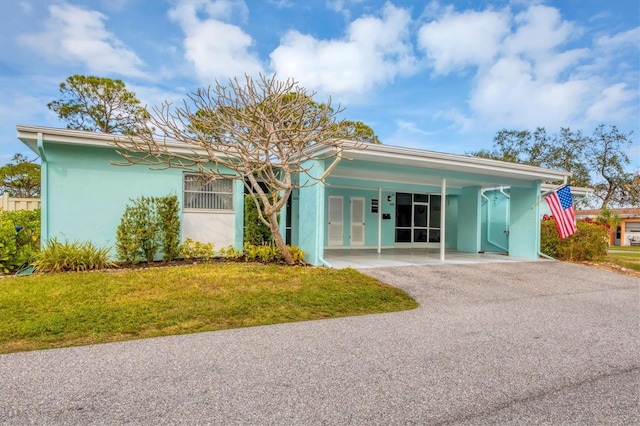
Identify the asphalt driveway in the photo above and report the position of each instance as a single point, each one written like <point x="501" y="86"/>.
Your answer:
<point x="498" y="343"/>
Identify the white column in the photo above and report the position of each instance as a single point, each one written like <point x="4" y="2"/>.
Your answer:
<point x="443" y="208"/>
<point x="379" y="220"/>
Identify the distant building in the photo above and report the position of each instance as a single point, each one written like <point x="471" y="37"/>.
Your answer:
<point x="628" y="233"/>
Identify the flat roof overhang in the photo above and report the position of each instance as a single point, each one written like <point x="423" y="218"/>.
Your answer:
<point x="462" y="170"/>
<point x="459" y="170"/>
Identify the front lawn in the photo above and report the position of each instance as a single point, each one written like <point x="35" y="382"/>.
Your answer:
<point x="57" y="310"/>
<point x="625" y="256"/>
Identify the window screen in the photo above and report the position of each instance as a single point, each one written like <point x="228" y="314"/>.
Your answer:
<point x="202" y="195"/>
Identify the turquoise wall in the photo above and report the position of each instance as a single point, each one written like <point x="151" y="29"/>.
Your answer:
<point x="495" y="221"/>
<point x="311" y="208"/>
<point x="371" y="219"/>
<point x="87" y="195"/>
<point x="469" y="217"/>
<point x="451" y="218"/>
<point x="524" y="230"/>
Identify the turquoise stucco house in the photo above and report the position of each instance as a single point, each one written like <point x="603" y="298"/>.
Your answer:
<point x="375" y="198"/>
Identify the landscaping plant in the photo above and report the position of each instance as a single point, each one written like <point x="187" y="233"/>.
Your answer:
<point x="74" y="256"/>
<point x="256" y="232"/>
<point x="19" y="239"/>
<point x="147" y="226"/>
<point x="590" y="241"/>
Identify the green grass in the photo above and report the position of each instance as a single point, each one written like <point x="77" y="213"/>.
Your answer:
<point x="625" y="256"/>
<point x="67" y="309"/>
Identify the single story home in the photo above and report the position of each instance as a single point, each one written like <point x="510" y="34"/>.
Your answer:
<point x="377" y="198"/>
<point x="627" y="233"/>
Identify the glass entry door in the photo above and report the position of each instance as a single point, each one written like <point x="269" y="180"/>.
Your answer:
<point x="417" y="220"/>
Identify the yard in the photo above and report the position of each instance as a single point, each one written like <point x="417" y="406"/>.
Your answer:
<point x="57" y="310"/>
<point x="624" y="258"/>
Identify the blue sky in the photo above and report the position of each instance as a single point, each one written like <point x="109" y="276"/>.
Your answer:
<point x="443" y="76"/>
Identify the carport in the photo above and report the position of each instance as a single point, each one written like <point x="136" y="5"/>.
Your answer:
<point x="389" y="203"/>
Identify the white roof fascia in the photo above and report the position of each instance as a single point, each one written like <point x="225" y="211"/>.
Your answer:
<point x="94" y="139"/>
<point x="374" y="152"/>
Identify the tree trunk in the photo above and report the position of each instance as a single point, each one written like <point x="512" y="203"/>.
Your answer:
<point x="282" y="246"/>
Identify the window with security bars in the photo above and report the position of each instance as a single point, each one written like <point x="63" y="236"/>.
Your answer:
<point x="213" y="195"/>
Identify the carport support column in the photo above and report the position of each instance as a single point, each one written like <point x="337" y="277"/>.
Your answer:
<point x="443" y="215"/>
<point x="379" y="220"/>
<point x="312" y="223"/>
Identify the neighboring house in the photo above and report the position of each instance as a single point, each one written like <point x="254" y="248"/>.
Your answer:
<point x="9" y="204"/>
<point x="627" y="233"/>
<point x="376" y="198"/>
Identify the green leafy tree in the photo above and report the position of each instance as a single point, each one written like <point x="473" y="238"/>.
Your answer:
<point x="20" y="177"/>
<point x="263" y="130"/>
<point x="98" y="104"/>
<point x="596" y="161"/>
<point x="607" y="158"/>
<point x="357" y="130"/>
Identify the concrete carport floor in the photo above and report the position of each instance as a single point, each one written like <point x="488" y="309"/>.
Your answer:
<point x="491" y="343"/>
<point x="370" y="258"/>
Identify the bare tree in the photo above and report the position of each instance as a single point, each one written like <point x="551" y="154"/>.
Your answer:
<point x="262" y="130"/>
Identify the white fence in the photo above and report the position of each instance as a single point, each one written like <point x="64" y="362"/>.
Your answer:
<point x="10" y="204"/>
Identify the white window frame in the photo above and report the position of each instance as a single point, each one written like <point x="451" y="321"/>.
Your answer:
<point x="212" y="194"/>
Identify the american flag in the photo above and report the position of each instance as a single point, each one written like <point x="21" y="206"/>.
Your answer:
<point x="561" y="205"/>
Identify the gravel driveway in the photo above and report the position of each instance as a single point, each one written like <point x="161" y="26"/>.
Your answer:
<point x="500" y="343"/>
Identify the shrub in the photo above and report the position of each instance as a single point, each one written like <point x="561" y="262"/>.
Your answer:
<point x="192" y="249"/>
<point x="297" y="254"/>
<point x="169" y="226"/>
<point x="269" y="253"/>
<point x="76" y="256"/>
<point x="150" y="224"/>
<point x="231" y="253"/>
<point x="18" y="248"/>
<point x="588" y="243"/>
<point x="255" y="231"/>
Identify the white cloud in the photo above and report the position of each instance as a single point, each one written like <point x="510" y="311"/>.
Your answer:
<point x="539" y="31"/>
<point x="458" y="40"/>
<point x="524" y="74"/>
<point x="373" y="52"/>
<point x="611" y="100"/>
<point x="217" y="49"/>
<point x="77" y="35"/>
<point x="509" y="95"/>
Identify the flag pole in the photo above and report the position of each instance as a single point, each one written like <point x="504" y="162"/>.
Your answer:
<point x="549" y="192"/>
<point x="542" y="195"/>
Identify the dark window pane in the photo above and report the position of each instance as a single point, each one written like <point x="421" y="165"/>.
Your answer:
<point x="403" y="235"/>
<point x="420" y="236"/>
<point x="420" y="215"/>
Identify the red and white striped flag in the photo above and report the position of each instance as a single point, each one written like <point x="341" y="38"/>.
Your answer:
<point x="561" y="204"/>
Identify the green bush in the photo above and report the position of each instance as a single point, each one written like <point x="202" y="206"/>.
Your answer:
<point x="18" y="248"/>
<point x="169" y="224"/>
<point x="255" y="231"/>
<point x="147" y="226"/>
<point x="192" y="249"/>
<point x="231" y="253"/>
<point x="269" y="253"/>
<point x="76" y="256"/>
<point x="297" y="254"/>
<point x="590" y="241"/>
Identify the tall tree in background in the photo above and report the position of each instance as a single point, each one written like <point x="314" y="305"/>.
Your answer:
<point x="606" y="157"/>
<point x="358" y="131"/>
<point x="98" y="104"/>
<point x="264" y="130"/>
<point x="596" y="161"/>
<point x="20" y="177"/>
